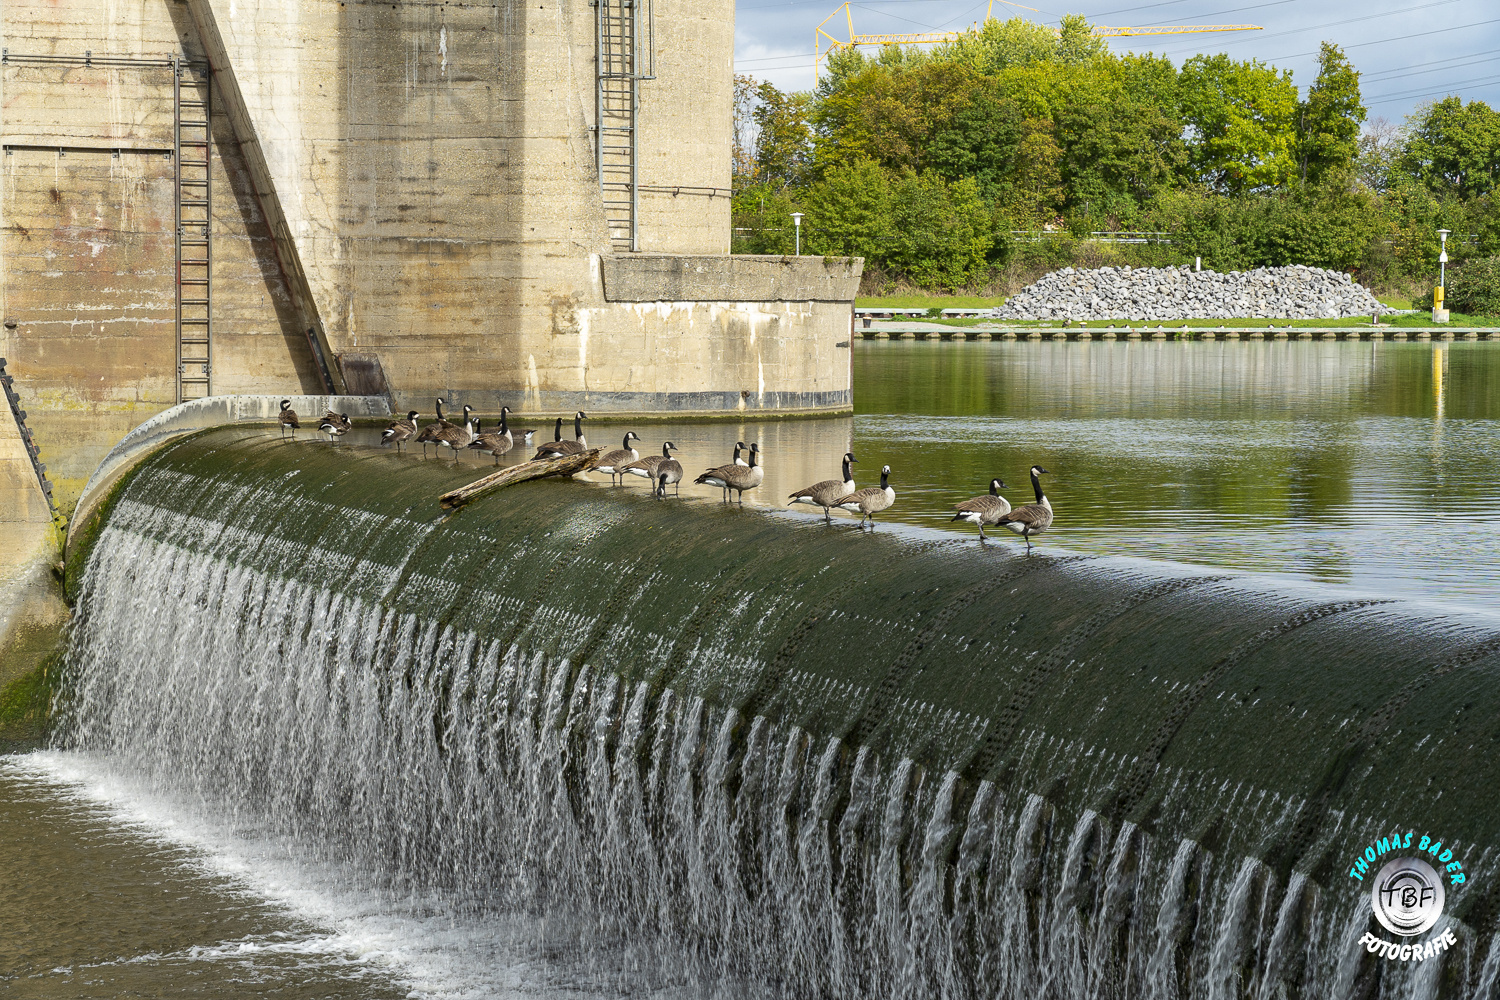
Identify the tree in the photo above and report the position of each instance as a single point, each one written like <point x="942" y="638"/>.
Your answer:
<point x="1454" y="148"/>
<point x="1240" y="116"/>
<point x="998" y="45"/>
<point x="784" y="144"/>
<point x="1380" y="150"/>
<point x="1121" y="137"/>
<point x="849" y="211"/>
<point x="743" y="156"/>
<point x="762" y="215"/>
<point x="1328" y="121"/>
<point x="941" y="233"/>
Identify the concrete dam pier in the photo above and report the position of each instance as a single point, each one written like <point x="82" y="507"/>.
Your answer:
<point x="787" y="758"/>
<point x="501" y="203"/>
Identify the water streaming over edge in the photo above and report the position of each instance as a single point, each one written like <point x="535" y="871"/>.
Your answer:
<point x="668" y="841"/>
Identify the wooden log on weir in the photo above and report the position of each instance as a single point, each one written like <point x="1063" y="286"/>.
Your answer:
<point x="567" y="465"/>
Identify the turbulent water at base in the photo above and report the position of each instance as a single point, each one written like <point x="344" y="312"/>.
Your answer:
<point x="673" y="843"/>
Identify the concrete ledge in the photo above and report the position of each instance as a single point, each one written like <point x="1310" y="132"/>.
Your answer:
<point x="673" y="278"/>
<point x="215" y="411"/>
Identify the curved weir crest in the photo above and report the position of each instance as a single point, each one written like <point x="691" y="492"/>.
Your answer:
<point x="758" y="752"/>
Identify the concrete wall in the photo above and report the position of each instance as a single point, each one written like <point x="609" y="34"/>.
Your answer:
<point x="31" y="611"/>
<point x="413" y="181"/>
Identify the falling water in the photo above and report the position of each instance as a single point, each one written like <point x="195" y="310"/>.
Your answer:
<point x="663" y="834"/>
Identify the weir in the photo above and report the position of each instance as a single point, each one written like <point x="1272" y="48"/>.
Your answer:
<point x="782" y="757"/>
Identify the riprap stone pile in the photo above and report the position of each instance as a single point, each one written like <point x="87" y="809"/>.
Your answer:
<point x="1173" y="293"/>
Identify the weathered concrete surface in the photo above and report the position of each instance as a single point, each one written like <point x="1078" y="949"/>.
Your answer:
<point x="677" y="278"/>
<point x="30" y="608"/>
<point x="417" y="182"/>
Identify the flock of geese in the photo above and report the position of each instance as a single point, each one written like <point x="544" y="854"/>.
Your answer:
<point x="661" y="471"/>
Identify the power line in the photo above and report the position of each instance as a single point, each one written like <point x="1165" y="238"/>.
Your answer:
<point x="1199" y="17"/>
<point x="1441" y="66"/>
<point x="1335" y="24"/>
<point x="1451" y="88"/>
<point x="1401" y="38"/>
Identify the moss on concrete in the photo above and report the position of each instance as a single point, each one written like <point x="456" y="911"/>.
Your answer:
<point x="26" y="706"/>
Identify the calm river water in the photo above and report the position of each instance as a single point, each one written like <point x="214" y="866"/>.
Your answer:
<point x="1376" y="465"/>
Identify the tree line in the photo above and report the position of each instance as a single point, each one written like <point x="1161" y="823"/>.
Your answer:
<point x="999" y="153"/>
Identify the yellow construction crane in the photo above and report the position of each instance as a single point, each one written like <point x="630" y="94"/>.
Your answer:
<point x="923" y="37"/>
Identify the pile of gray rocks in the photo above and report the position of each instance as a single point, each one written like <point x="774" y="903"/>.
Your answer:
<point x="1172" y="293"/>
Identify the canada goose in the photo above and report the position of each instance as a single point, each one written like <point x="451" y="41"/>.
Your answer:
<point x="335" y="425"/>
<point x="611" y="462"/>
<point x="561" y="447"/>
<point x="1033" y="518"/>
<point x="495" y="443"/>
<point x="520" y="436"/>
<point x="400" y="430"/>
<point x="289" y="418"/>
<point x="457" y="438"/>
<point x="545" y="450"/>
<point x="737" y="477"/>
<point x="424" y="436"/>
<point x="646" y="467"/>
<point x="829" y="490"/>
<point x="739" y="446"/>
<point x="668" y="473"/>
<point x="984" y="510"/>
<point x="869" y="501"/>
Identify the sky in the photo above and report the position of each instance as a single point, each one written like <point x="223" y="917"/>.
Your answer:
<point x="1408" y="53"/>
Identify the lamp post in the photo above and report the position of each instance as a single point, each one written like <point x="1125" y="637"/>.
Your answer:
<point x="797" y="220"/>
<point x="1439" y="313"/>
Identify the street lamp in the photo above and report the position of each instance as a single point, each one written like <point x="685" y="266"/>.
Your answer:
<point x="797" y="220"/>
<point x="1439" y="314"/>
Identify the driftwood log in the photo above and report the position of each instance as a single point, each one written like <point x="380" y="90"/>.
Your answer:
<point x="535" y="469"/>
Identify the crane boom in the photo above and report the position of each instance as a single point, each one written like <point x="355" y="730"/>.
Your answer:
<point x="820" y="50"/>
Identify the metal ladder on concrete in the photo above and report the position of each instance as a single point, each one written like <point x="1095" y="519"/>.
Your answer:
<point x="625" y="57"/>
<point x="193" y="147"/>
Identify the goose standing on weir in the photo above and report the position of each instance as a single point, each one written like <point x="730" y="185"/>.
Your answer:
<point x="335" y="425"/>
<point x="736" y="477"/>
<point x="869" y="501"/>
<point x="400" y="430"/>
<point x="613" y="462"/>
<point x="424" y="436"/>
<point x="457" y="438"/>
<point x="559" y="447"/>
<point x="494" y="443"/>
<point x="987" y="509"/>
<point x="289" y="418"/>
<point x="1033" y="518"/>
<point x="646" y="467"/>
<point x="824" y="494"/>
<point x="668" y="473"/>
<point x="739" y="446"/>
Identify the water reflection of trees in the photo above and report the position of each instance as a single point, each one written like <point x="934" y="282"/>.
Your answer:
<point x="1273" y="454"/>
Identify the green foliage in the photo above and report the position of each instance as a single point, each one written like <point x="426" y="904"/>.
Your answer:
<point x="924" y="162"/>
<point x="1328" y="121"/>
<point x="999" y="45"/>
<point x="1454" y="148"/>
<point x="849" y="211"/>
<point x="1241" y="115"/>
<point x="762" y="216"/>
<point x="784" y="144"/>
<point x="940" y="233"/>
<point x="1474" y="287"/>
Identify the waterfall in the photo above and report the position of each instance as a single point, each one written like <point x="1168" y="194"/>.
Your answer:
<point x="721" y="834"/>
